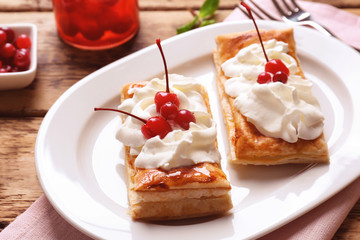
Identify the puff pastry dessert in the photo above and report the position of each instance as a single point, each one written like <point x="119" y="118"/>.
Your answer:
<point x="267" y="124"/>
<point x="180" y="175"/>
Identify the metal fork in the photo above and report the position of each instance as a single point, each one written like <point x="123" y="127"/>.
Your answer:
<point x="291" y="15"/>
<point x="294" y="15"/>
<point x="262" y="15"/>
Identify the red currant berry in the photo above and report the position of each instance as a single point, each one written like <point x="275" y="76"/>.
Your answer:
<point x="8" y="50"/>
<point x="280" y="76"/>
<point x="10" y="34"/>
<point x="169" y="111"/>
<point x="2" y="38"/>
<point x="184" y="118"/>
<point x="156" y="126"/>
<point x="23" y="41"/>
<point x="264" y="77"/>
<point x="152" y="127"/>
<point x="164" y="97"/>
<point x="21" y="60"/>
<point x="275" y="65"/>
<point x="6" y="68"/>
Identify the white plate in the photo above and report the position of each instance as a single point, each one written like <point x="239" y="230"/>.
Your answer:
<point x="81" y="167"/>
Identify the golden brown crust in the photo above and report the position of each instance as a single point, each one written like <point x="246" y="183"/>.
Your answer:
<point x="184" y="192"/>
<point x="247" y="144"/>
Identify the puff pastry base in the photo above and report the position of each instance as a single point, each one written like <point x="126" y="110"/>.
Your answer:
<point x="247" y="144"/>
<point x="184" y="192"/>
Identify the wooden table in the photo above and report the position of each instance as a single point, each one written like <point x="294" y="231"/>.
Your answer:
<point x="59" y="67"/>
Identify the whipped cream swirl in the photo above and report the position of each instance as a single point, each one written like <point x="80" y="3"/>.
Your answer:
<point x="179" y="147"/>
<point x="287" y="111"/>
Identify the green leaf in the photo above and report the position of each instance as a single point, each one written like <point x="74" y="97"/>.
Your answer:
<point x="188" y="26"/>
<point x="208" y="8"/>
<point x="207" y="22"/>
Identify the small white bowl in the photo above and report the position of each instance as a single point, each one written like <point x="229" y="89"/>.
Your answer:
<point x="16" y="80"/>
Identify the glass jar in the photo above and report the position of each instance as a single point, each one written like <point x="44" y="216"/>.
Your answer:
<point x="96" y="24"/>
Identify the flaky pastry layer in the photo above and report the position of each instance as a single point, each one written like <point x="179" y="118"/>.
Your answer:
<point x="247" y="144"/>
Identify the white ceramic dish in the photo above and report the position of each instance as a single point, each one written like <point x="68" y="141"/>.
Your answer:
<point x="80" y="164"/>
<point x="16" y="80"/>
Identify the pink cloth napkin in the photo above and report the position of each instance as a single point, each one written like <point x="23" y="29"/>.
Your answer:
<point x="344" y="25"/>
<point x="41" y="221"/>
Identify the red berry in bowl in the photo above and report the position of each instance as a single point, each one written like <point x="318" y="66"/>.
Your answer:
<point x="6" y="68"/>
<point x="10" y="34"/>
<point x="2" y="38"/>
<point x="21" y="59"/>
<point x="8" y="50"/>
<point x="184" y="118"/>
<point x="23" y="41"/>
<point x="15" y="69"/>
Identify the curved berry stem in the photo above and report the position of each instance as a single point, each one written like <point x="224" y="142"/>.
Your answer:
<point x="257" y="30"/>
<point x="165" y="66"/>
<point x="116" y="110"/>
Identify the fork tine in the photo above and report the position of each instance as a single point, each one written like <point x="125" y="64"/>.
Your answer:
<point x="243" y="11"/>
<point x="287" y="6"/>
<point x="247" y="14"/>
<point x="277" y="6"/>
<point x="262" y="10"/>
<point x="255" y="12"/>
<point x="296" y="5"/>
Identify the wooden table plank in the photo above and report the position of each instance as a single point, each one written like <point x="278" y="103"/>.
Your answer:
<point x="350" y="228"/>
<point x="19" y="186"/>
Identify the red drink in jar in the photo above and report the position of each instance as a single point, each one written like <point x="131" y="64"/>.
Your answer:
<point x="96" y="24"/>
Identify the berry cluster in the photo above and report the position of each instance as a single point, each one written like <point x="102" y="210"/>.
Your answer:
<point x="167" y="104"/>
<point x="14" y="53"/>
<point x="275" y="69"/>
